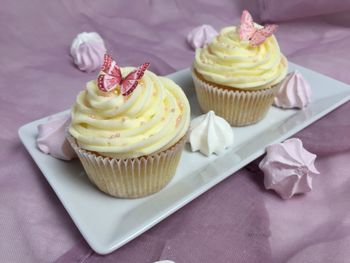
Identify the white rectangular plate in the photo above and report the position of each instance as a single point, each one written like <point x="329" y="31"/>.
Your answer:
<point x="107" y="223"/>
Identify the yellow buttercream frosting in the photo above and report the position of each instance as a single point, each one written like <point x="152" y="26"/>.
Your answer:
<point x="230" y="62"/>
<point x="154" y="117"/>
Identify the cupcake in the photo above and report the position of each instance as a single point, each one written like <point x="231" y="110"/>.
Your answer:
<point x="128" y="129"/>
<point x="236" y="75"/>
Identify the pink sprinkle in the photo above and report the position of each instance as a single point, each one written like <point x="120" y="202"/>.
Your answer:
<point x="178" y="120"/>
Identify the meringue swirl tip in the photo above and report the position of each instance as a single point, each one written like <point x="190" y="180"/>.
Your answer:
<point x="87" y="51"/>
<point x="294" y="92"/>
<point x="288" y="168"/>
<point x="210" y="134"/>
<point x="52" y="140"/>
<point x="201" y="35"/>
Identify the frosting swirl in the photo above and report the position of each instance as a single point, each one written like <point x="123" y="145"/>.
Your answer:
<point x="231" y="62"/>
<point x="152" y="118"/>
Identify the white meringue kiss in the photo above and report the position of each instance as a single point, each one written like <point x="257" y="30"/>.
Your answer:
<point x="294" y="92"/>
<point x="200" y="36"/>
<point x="52" y="138"/>
<point x="288" y="168"/>
<point x="210" y="134"/>
<point x="87" y="51"/>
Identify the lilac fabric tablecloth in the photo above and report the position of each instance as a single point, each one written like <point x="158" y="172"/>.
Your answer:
<point x="236" y="221"/>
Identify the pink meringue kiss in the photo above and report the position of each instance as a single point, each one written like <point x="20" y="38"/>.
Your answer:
<point x="88" y="50"/>
<point x="52" y="138"/>
<point x="294" y="92"/>
<point x="288" y="168"/>
<point x="200" y="36"/>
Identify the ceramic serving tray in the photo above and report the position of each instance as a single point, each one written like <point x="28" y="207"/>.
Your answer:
<point x="107" y="223"/>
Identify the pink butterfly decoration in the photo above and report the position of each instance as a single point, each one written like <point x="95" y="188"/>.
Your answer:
<point x="111" y="76"/>
<point x="248" y="32"/>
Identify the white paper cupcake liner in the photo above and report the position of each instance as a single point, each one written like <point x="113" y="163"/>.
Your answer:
<point x="239" y="108"/>
<point x="133" y="177"/>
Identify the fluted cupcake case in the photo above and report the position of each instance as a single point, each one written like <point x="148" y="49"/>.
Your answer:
<point x="133" y="177"/>
<point x="239" y="108"/>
